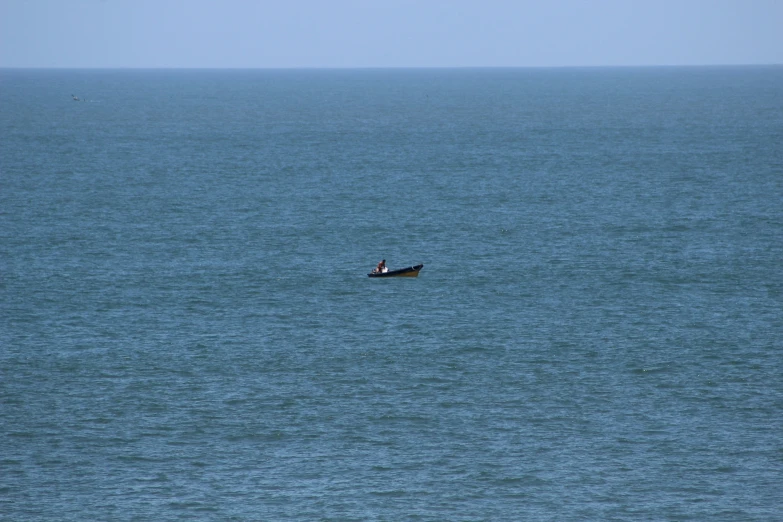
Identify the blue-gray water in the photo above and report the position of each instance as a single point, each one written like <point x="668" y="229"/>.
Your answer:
<point x="187" y="330"/>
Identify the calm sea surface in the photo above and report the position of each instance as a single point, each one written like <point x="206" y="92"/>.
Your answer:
<point x="187" y="330"/>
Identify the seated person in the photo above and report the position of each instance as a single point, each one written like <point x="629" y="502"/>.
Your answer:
<point x="381" y="268"/>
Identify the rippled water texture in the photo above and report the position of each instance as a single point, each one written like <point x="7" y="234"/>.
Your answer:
<point x="187" y="329"/>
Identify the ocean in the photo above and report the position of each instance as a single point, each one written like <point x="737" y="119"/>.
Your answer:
<point x="187" y="329"/>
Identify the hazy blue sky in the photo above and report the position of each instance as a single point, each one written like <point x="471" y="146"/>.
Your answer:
<point x="388" y="33"/>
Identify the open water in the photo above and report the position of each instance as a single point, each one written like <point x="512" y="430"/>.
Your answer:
<point x="187" y="330"/>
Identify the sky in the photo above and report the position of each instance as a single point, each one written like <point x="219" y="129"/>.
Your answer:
<point x="387" y="33"/>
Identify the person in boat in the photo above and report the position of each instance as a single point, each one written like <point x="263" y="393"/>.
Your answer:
<point x="381" y="268"/>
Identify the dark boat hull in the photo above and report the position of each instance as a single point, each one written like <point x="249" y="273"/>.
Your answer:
<point x="411" y="271"/>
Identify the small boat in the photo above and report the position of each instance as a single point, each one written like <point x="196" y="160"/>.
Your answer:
<point x="411" y="271"/>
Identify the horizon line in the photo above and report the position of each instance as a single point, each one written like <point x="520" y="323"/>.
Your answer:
<point x="394" y="67"/>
